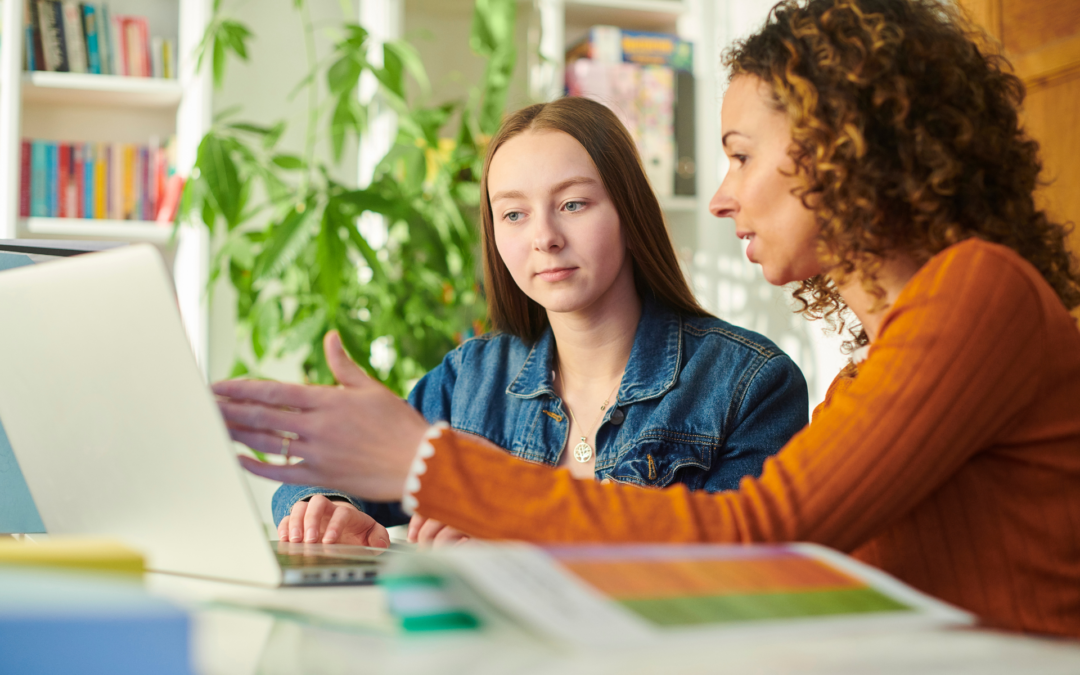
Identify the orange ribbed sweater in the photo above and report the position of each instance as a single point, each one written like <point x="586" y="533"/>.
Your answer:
<point x="951" y="460"/>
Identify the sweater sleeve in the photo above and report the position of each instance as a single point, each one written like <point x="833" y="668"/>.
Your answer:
<point x="956" y="363"/>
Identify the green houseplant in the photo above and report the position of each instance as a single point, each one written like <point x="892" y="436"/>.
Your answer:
<point x="286" y="233"/>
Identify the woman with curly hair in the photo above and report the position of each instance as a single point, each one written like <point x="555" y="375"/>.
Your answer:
<point x="878" y="161"/>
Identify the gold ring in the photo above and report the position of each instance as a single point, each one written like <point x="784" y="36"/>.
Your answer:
<point x="285" y="440"/>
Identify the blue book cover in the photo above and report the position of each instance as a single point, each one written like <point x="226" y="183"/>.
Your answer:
<point x="17" y="510"/>
<point x="90" y="29"/>
<point x="38" y="179"/>
<point x="52" y="179"/>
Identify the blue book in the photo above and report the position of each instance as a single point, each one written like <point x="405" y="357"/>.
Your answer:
<point x="90" y="29"/>
<point x="17" y="510"/>
<point x="38" y="179"/>
<point x="54" y="621"/>
<point x="52" y="179"/>
<point x="89" y="156"/>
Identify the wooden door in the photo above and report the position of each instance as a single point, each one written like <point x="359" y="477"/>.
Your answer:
<point x="1042" y="39"/>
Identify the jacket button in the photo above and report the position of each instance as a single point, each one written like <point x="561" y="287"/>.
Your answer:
<point x="617" y="416"/>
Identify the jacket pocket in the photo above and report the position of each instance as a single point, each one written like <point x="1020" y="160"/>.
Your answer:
<point x="660" y="459"/>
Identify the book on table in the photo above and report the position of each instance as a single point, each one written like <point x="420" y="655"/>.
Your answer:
<point x="603" y="596"/>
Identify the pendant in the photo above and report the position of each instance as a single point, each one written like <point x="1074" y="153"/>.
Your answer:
<point x="582" y="451"/>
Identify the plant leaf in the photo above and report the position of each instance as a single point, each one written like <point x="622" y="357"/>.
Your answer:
<point x="287" y="239"/>
<point x="218" y="171"/>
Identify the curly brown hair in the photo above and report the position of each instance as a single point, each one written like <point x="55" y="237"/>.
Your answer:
<point x="908" y="133"/>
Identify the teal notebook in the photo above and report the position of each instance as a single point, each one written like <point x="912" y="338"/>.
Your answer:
<point x="17" y="510"/>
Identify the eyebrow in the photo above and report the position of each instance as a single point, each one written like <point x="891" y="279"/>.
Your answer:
<point x="723" y="139"/>
<point x="569" y="182"/>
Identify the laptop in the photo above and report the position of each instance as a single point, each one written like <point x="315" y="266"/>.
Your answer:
<point x="118" y="435"/>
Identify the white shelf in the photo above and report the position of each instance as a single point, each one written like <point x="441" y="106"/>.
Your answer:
<point x="107" y="90"/>
<point x="85" y="228"/>
<point x="629" y="14"/>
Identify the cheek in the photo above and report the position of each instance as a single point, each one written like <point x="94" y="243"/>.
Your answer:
<point x="513" y="251"/>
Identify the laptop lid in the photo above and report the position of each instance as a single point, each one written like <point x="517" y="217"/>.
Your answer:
<point x="111" y="422"/>
<point x="18" y="514"/>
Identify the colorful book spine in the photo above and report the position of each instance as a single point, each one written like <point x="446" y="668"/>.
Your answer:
<point x="39" y="178"/>
<point x="107" y="42"/>
<point x="89" y="172"/>
<point x="80" y="179"/>
<point x="101" y="181"/>
<point x="63" y="169"/>
<point x="53" y="45"/>
<point x="73" y="36"/>
<point x="93" y="49"/>
<point x="52" y="180"/>
<point x="25" y="151"/>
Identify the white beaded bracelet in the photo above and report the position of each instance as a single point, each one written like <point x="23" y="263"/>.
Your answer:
<point x="419" y="466"/>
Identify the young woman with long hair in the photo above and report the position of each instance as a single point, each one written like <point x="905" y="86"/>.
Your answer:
<point x="601" y="360"/>
<point x="878" y="160"/>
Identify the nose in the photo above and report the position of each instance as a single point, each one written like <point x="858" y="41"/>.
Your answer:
<point x="722" y="204"/>
<point x="547" y="237"/>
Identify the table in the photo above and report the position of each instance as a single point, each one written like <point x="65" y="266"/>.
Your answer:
<point x="240" y="630"/>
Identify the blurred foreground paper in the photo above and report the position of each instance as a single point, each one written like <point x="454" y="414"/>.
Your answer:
<point x="602" y="596"/>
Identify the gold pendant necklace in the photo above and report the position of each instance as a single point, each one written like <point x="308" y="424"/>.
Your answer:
<point x="583" y="452"/>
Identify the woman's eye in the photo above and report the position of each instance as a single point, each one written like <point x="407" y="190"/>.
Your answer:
<point x="513" y="216"/>
<point x="741" y="159"/>
<point x="574" y="206"/>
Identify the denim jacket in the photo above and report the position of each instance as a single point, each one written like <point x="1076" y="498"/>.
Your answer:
<point x="702" y="403"/>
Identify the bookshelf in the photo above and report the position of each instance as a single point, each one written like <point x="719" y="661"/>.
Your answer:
<point x="86" y="108"/>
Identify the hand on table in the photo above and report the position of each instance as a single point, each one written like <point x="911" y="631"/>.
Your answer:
<point x="427" y="531"/>
<point x="358" y="437"/>
<point x="323" y="521"/>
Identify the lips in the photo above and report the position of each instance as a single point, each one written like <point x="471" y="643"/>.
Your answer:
<point x="750" y="238"/>
<point x="553" y="274"/>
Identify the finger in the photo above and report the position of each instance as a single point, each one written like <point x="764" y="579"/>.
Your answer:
<point x="269" y="443"/>
<point x="427" y="532"/>
<point x="338" y="523"/>
<point x="268" y="392"/>
<point x="317" y="512"/>
<point x="296" y="527"/>
<point x="345" y="371"/>
<point x="414" y="527"/>
<point x="258" y="417"/>
<point x="465" y="539"/>
<point x="447" y="536"/>
<point x="378" y="537"/>
<point x="283" y="529"/>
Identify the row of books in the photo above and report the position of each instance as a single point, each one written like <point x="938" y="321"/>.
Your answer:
<point x="116" y="181"/>
<point x="647" y="80"/>
<point x="73" y="37"/>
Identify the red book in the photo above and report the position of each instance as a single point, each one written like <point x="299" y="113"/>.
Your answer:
<point x="24" y="180"/>
<point x="170" y="201"/>
<point x="78" y="155"/>
<point x="61" y="189"/>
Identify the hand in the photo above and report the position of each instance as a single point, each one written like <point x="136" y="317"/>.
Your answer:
<point x="427" y="531"/>
<point x="323" y="521"/>
<point x="358" y="437"/>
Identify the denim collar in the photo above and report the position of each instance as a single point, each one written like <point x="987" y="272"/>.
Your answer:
<point x="652" y="370"/>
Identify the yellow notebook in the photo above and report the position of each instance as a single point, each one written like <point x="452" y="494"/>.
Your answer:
<point x="86" y="553"/>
